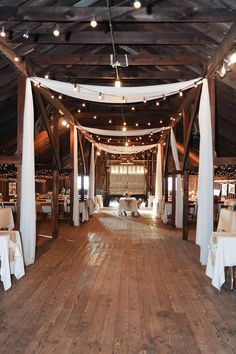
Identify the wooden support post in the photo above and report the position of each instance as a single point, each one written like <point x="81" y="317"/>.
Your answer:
<point x="173" y="199"/>
<point x="72" y="172"/>
<point x="55" y="221"/>
<point x="185" y="205"/>
<point x="55" y="224"/>
<point x="20" y="121"/>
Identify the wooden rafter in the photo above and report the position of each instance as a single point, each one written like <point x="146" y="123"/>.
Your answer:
<point x="222" y="51"/>
<point x="126" y="37"/>
<point x="51" y="136"/>
<point x="104" y="59"/>
<point x="119" y="14"/>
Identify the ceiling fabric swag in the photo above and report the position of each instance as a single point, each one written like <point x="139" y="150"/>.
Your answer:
<point x="121" y="132"/>
<point x="109" y="94"/>
<point x="125" y="150"/>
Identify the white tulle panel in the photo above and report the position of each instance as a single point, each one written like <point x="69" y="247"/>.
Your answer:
<point x="125" y="150"/>
<point x="76" y="195"/>
<point x="136" y="132"/>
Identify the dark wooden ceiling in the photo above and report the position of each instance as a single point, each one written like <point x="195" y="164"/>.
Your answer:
<point x="165" y="41"/>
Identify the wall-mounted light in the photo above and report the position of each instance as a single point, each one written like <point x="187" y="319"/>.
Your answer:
<point x="3" y="33"/>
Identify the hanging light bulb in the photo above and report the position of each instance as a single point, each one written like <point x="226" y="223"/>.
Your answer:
<point x="26" y="34"/>
<point x="64" y="123"/>
<point x="124" y="129"/>
<point x="157" y="103"/>
<point x="232" y="58"/>
<point x="100" y="96"/>
<point x="46" y="76"/>
<point x="126" y="144"/>
<point x="56" y="32"/>
<point x="76" y="87"/>
<point x="93" y="22"/>
<point x="137" y="4"/>
<point x="16" y="59"/>
<point x="3" y="33"/>
<point x="144" y="100"/>
<point x="180" y="93"/>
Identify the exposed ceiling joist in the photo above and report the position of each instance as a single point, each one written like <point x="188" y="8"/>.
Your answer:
<point x="126" y="37"/>
<point x="104" y="59"/>
<point x="119" y="14"/>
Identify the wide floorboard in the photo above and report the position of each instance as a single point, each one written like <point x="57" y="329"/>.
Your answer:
<point x="116" y="285"/>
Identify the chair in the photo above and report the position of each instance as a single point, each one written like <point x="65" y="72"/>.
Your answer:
<point x="6" y="219"/>
<point x="5" y="272"/>
<point x="46" y="210"/>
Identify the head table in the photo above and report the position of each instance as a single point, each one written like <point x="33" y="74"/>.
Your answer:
<point x="128" y="204"/>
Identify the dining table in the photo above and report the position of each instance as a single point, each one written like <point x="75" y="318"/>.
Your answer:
<point x="222" y="253"/>
<point x="128" y="204"/>
<point x="11" y="255"/>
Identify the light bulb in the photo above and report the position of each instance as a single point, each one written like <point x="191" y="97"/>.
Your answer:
<point x="26" y="35"/>
<point x="124" y="129"/>
<point x="126" y="144"/>
<point x="46" y="76"/>
<point x="16" y="59"/>
<point x="56" y="32"/>
<point x="93" y="22"/>
<point x="117" y="83"/>
<point x="137" y="4"/>
<point x="64" y="123"/>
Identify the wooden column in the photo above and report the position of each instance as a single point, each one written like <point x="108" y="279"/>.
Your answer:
<point x="20" y="121"/>
<point x="173" y="199"/>
<point x="55" y="221"/>
<point x="185" y="205"/>
<point x="72" y="172"/>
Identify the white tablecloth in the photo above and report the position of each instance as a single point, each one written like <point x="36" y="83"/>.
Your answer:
<point x="128" y="204"/>
<point x="6" y="218"/>
<point x="222" y="254"/>
<point x="227" y="220"/>
<point x="150" y="201"/>
<point x="167" y="210"/>
<point x="11" y="257"/>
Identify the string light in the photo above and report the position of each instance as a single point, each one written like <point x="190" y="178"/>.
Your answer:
<point x="144" y="100"/>
<point x="124" y="129"/>
<point x="180" y="93"/>
<point x="16" y="59"/>
<point x="93" y="22"/>
<point x="56" y="31"/>
<point x="83" y="104"/>
<point x="26" y="34"/>
<point x="164" y="97"/>
<point x="60" y="97"/>
<point x="157" y="103"/>
<point x="46" y="76"/>
<point x="133" y="108"/>
<point x="110" y="121"/>
<point x="136" y="124"/>
<point x="94" y="117"/>
<point x="137" y="4"/>
<point x="64" y="123"/>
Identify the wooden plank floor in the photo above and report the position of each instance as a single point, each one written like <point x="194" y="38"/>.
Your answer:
<point x="117" y="285"/>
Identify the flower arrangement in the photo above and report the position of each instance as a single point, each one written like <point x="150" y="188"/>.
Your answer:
<point x="127" y="194"/>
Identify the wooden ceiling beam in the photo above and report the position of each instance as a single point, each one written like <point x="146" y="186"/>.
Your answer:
<point x="119" y="14"/>
<point x="125" y="74"/>
<point x="222" y="51"/>
<point x="126" y="37"/>
<point x="104" y="59"/>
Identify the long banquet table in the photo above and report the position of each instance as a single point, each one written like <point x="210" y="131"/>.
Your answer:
<point x="227" y="220"/>
<point x="11" y="257"/>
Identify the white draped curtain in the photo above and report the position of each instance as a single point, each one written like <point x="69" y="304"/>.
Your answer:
<point x="205" y="176"/>
<point x="92" y="174"/>
<point x="178" y="199"/>
<point x="158" y="183"/>
<point x="136" y="132"/>
<point x="76" y="195"/>
<point x="27" y="207"/>
<point x="125" y="150"/>
<point x="109" y="94"/>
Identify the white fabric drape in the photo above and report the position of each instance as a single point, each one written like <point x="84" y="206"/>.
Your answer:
<point x="205" y="176"/>
<point x="76" y="195"/>
<point x="178" y="199"/>
<point x="158" y="183"/>
<point x="109" y="94"/>
<point x="92" y="174"/>
<point x="114" y="149"/>
<point x="27" y="209"/>
<point x="137" y="132"/>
